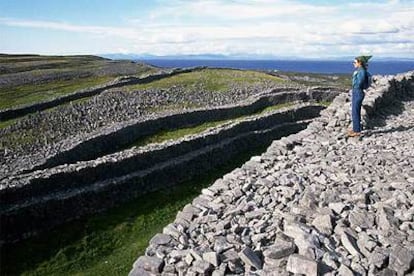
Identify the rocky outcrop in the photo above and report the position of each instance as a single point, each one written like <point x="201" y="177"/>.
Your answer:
<point x="315" y="203"/>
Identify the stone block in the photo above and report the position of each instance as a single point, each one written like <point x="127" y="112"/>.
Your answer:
<point x="361" y="219"/>
<point x="323" y="223"/>
<point x="249" y="257"/>
<point x="150" y="264"/>
<point x="160" y="239"/>
<point x="138" y="271"/>
<point x="299" y="264"/>
<point x="349" y="243"/>
<point x="202" y="267"/>
<point x="401" y="260"/>
<point x="280" y="249"/>
<point x="211" y="257"/>
<point x="345" y="271"/>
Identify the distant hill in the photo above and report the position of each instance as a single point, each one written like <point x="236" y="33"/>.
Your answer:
<point x="119" y="56"/>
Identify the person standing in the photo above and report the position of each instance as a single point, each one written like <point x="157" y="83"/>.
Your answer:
<point x="360" y="81"/>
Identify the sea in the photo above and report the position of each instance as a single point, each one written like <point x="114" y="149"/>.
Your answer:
<point x="305" y="66"/>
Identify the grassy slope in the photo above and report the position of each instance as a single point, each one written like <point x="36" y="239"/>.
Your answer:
<point x="27" y="94"/>
<point x="79" y="67"/>
<point x="211" y="79"/>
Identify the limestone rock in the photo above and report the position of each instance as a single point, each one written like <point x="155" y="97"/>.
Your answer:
<point x="150" y="264"/>
<point x="323" y="223"/>
<point x="401" y="259"/>
<point x="302" y="265"/>
<point x="249" y="257"/>
<point x="280" y="249"/>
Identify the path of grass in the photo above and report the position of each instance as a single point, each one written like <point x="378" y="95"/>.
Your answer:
<point x="28" y="94"/>
<point x="175" y="134"/>
<point x="108" y="243"/>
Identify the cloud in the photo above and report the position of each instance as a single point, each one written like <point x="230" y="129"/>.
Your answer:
<point x="276" y="27"/>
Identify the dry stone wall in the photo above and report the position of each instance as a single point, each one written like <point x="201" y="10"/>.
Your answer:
<point x="86" y="141"/>
<point x="315" y="203"/>
<point x="41" y="199"/>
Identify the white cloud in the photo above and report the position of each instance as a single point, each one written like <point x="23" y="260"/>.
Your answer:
<point x="278" y="27"/>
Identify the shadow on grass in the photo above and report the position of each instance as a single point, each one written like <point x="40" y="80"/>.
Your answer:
<point x="108" y="243"/>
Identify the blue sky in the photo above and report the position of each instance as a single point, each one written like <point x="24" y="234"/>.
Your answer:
<point x="279" y="28"/>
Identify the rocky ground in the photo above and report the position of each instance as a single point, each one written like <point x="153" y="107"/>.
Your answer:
<point x="327" y="205"/>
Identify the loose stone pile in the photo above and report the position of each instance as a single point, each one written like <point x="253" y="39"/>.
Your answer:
<point x="315" y="203"/>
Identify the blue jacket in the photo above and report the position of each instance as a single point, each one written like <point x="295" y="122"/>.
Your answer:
<point x="359" y="79"/>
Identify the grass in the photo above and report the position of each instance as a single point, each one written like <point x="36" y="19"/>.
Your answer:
<point x="176" y="134"/>
<point x="210" y="79"/>
<point x="325" y="103"/>
<point x="108" y="243"/>
<point x="4" y="124"/>
<point x="28" y="94"/>
<point x="342" y="81"/>
<point x="165" y="135"/>
<point x="81" y="72"/>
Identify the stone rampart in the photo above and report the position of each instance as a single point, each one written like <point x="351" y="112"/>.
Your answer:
<point x="115" y="138"/>
<point x="305" y="206"/>
<point x="50" y="197"/>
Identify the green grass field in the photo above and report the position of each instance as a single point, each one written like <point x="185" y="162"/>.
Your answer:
<point x="82" y="73"/>
<point x="28" y="94"/>
<point x="211" y="79"/>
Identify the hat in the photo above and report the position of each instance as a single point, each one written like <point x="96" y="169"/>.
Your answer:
<point x="363" y="59"/>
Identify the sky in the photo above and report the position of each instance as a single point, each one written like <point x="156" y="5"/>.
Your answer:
<point x="273" y="28"/>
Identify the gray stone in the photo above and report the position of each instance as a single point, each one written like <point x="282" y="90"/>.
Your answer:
<point x="189" y="258"/>
<point x="230" y="256"/>
<point x="345" y="271"/>
<point x="139" y="271"/>
<point x="150" y="264"/>
<point x="249" y="257"/>
<point x="211" y="257"/>
<point x="349" y="243"/>
<point x="378" y="257"/>
<point x="160" y="239"/>
<point x="386" y="219"/>
<point x="171" y="230"/>
<point x="323" y="223"/>
<point x="221" y="244"/>
<point x="202" y="267"/>
<point x="361" y="219"/>
<point x="280" y="249"/>
<point x="387" y="272"/>
<point x="220" y="271"/>
<point x="401" y="259"/>
<point x="302" y="265"/>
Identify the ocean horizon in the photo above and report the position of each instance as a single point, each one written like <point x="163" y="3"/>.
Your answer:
<point x="303" y="66"/>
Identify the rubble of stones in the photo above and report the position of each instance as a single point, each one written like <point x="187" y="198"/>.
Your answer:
<point x="315" y="203"/>
<point x="42" y="134"/>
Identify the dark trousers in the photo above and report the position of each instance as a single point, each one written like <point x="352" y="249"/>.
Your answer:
<point x="357" y="98"/>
